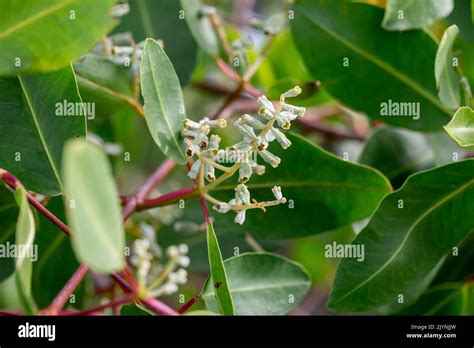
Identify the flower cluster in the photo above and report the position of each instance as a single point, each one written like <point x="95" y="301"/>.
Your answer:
<point x="153" y="278"/>
<point x="257" y="132"/>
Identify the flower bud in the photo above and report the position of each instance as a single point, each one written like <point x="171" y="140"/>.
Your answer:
<point x="245" y="172"/>
<point x="194" y="169"/>
<point x="209" y="172"/>
<point x="222" y="207"/>
<point x="240" y="217"/>
<point x="252" y="122"/>
<point x="295" y="91"/>
<point x="267" y="104"/>
<point x="281" y="138"/>
<point x="270" y="158"/>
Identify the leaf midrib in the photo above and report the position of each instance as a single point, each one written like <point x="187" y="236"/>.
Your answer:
<point x="37" y="16"/>
<point x="165" y="114"/>
<point x="386" y="67"/>
<point x="40" y="134"/>
<point x="408" y="234"/>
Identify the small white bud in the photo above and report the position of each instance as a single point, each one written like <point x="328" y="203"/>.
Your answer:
<point x="277" y="192"/>
<point x="183" y="249"/>
<point x="240" y="217"/>
<point x="295" y="91"/>
<point x="222" y="207"/>
<point x="194" y="169"/>
<point x="281" y="138"/>
<point x="245" y="172"/>
<point x="270" y="158"/>
<point x="267" y="104"/>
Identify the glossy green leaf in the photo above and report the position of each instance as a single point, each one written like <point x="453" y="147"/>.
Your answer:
<point x="134" y="310"/>
<point x="220" y="286"/>
<point x="407" y="239"/>
<point x="262" y="284"/>
<point x="164" y="104"/>
<point x="447" y="79"/>
<point x="54" y="249"/>
<point x="445" y="299"/>
<point x="200" y="312"/>
<point x="458" y="264"/>
<point x="47" y="35"/>
<point x="387" y="75"/>
<point x="104" y="83"/>
<point x="8" y="216"/>
<point x="415" y="14"/>
<point x="323" y="191"/>
<point x="200" y="26"/>
<point x="16" y="290"/>
<point x="461" y="127"/>
<point x="92" y="207"/>
<point x="35" y="125"/>
<point x="161" y="20"/>
<point x="397" y="153"/>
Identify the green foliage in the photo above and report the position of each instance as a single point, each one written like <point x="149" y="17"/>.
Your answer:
<point x="447" y="78"/>
<point x="36" y="125"/>
<point x="327" y="195"/>
<point x="24" y="23"/>
<point x="220" y="284"/>
<point x="92" y="208"/>
<point x="261" y="284"/>
<point x="355" y="57"/>
<point x="461" y="127"/>
<point x="162" y="20"/>
<point x="164" y="104"/>
<point x="407" y="240"/>
<point x="407" y="15"/>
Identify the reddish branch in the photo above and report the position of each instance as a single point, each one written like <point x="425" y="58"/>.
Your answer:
<point x="62" y="297"/>
<point x="188" y="304"/>
<point x="155" y="305"/>
<point x="137" y="199"/>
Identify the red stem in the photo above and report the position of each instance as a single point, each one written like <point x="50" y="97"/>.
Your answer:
<point x="204" y="210"/>
<point x="158" y="176"/>
<point x="168" y="198"/>
<point x="153" y="304"/>
<point x="61" y="298"/>
<point x="188" y="304"/>
<point x="115" y="302"/>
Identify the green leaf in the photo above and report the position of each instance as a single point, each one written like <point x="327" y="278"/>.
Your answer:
<point x="415" y="14"/>
<point x="161" y="20"/>
<point x="164" y="104"/>
<point x="35" y="126"/>
<point x="262" y="284"/>
<point x="461" y="127"/>
<point x="93" y="209"/>
<point x="447" y="79"/>
<point x="200" y="312"/>
<point x="8" y="216"/>
<point x="406" y="240"/>
<point x="134" y="309"/>
<point x="323" y="191"/>
<point x="105" y="84"/>
<point x="48" y="35"/>
<point x="220" y="287"/>
<point x="16" y="290"/>
<point x="397" y="153"/>
<point x="345" y="48"/>
<point x="56" y="260"/>
<point x="200" y="26"/>
<point x="445" y="299"/>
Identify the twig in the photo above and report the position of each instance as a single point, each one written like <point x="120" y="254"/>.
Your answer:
<point x="217" y="24"/>
<point x="168" y="198"/>
<point x="253" y="243"/>
<point x="188" y="304"/>
<point x="62" y="297"/>
<point x="153" y="304"/>
<point x="127" y="298"/>
<point x="158" y="176"/>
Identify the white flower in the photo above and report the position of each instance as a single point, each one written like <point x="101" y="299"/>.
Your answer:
<point x="172" y="252"/>
<point x="240" y="217"/>
<point x="277" y="192"/>
<point x="270" y="158"/>
<point x="281" y="138"/>
<point x="265" y="103"/>
<point x="183" y="249"/>
<point x="183" y="261"/>
<point x="292" y="92"/>
<point x="169" y="288"/>
<point x="245" y="172"/>
<point x="222" y="207"/>
<point x="194" y="169"/>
